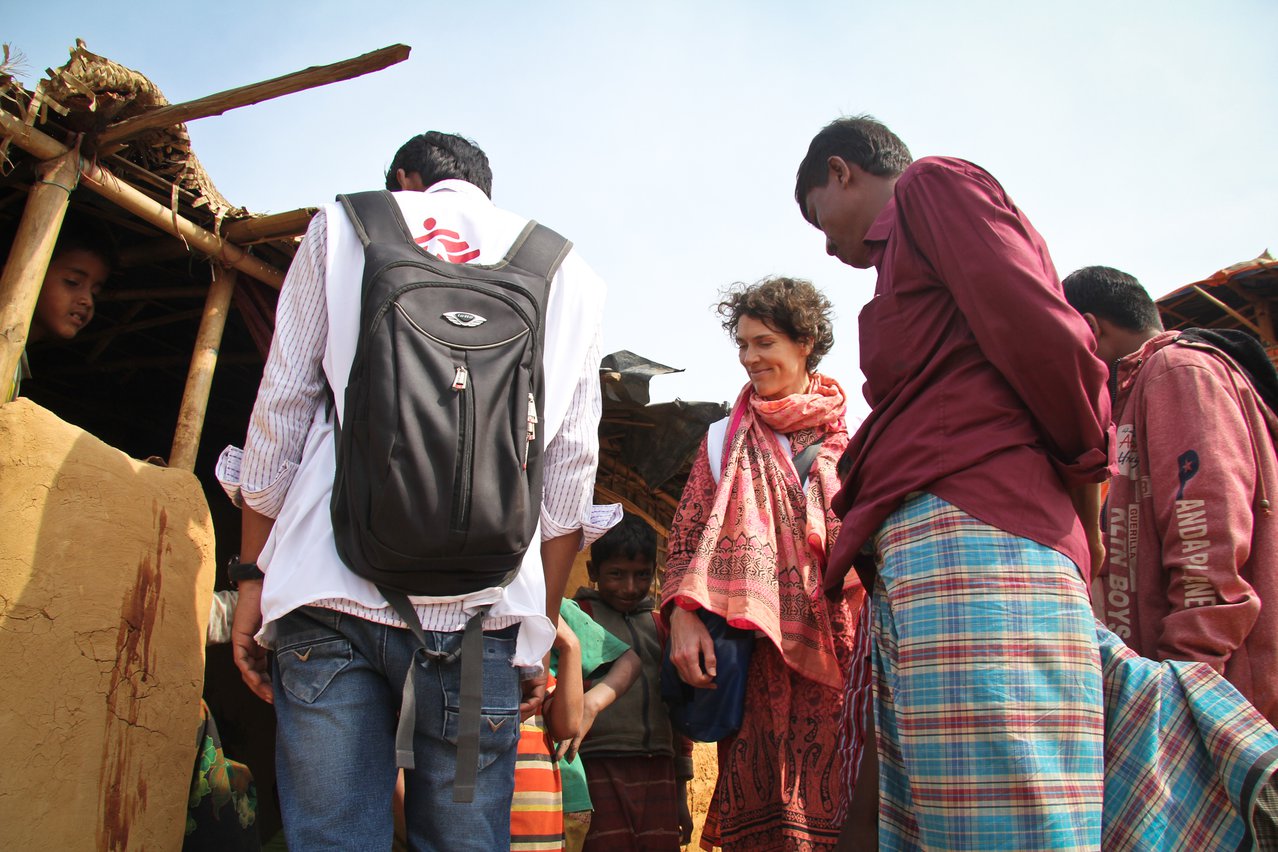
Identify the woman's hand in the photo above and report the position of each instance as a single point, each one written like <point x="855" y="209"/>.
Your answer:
<point x="691" y="649"/>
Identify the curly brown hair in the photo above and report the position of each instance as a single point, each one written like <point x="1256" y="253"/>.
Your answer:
<point x="792" y="306"/>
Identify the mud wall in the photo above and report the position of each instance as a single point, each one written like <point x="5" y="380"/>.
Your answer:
<point x="106" y="573"/>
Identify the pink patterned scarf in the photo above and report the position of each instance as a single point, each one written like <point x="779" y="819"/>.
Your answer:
<point x="753" y="548"/>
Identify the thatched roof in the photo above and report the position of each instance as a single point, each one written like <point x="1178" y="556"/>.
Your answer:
<point x="1242" y="296"/>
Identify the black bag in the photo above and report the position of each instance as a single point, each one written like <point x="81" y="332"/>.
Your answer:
<point x="438" y="485"/>
<point x="709" y="715"/>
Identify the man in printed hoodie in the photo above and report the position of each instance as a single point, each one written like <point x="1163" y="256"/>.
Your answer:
<point x="1191" y="571"/>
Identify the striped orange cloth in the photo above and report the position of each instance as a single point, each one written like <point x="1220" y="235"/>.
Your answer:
<point x="536" y="813"/>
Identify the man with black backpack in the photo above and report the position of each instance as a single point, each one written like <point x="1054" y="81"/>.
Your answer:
<point x="1191" y="568"/>
<point x="416" y="481"/>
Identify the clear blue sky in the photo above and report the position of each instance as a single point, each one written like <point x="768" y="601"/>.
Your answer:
<point x="662" y="137"/>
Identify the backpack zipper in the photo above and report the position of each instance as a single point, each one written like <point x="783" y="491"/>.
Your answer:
<point x="532" y="427"/>
<point x="465" y="459"/>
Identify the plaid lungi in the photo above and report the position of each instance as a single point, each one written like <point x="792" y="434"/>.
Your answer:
<point x="987" y="689"/>
<point x="975" y="631"/>
<point x="1187" y="758"/>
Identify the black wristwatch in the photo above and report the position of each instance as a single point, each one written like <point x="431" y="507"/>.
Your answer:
<point x="237" y="572"/>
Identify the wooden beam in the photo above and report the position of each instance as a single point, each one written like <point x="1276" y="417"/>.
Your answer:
<point x="221" y="102"/>
<point x="158" y="250"/>
<point x="144" y="294"/>
<point x="171" y="318"/>
<point x="142" y="205"/>
<point x="1233" y="313"/>
<point x="275" y="227"/>
<point x="607" y="495"/>
<point x="147" y="362"/>
<point x="29" y="257"/>
<point x="199" y="379"/>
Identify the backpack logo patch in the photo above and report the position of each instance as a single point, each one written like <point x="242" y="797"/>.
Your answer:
<point x="464" y="319"/>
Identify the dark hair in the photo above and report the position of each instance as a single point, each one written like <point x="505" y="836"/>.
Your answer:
<point x="861" y="140"/>
<point x="81" y="234"/>
<point x="630" y="539"/>
<point x="791" y="306"/>
<point x="78" y="233"/>
<point x="440" y="156"/>
<point x="1112" y="295"/>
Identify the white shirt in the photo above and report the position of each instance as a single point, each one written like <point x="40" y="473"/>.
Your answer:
<point x="287" y="467"/>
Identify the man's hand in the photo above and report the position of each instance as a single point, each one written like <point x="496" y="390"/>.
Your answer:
<point x="533" y="690"/>
<point x="250" y="657"/>
<point x="685" y="815"/>
<point x="691" y="649"/>
<point x="1087" y="503"/>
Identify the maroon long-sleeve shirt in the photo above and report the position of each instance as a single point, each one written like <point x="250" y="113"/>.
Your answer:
<point x="981" y="378"/>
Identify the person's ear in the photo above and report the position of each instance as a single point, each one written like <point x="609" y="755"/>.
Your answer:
<point x="840" y="170"/>
<point x="409" y="181"/>
<point x="1094" y="324"/>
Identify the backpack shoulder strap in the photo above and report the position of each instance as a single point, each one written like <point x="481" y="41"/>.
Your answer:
<point x="376" y="217"/>
<point x="538" y="250"/>
<point x="804" y="458"/>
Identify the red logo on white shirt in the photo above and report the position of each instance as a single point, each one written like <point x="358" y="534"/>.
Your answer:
<point x="449" y="245"/>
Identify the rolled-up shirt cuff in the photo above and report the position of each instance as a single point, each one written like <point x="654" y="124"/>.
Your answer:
<point x="597" y="520"/>
<point x="227" y="472"/>
<point x="269" y="499"/>
<point x="1095" y="465"/>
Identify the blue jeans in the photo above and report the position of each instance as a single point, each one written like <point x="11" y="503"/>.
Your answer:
<point x="338" y="685"/>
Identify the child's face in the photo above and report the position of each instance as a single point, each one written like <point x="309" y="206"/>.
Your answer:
<point x="622" y="583"/>
<point x="66" y="299"/>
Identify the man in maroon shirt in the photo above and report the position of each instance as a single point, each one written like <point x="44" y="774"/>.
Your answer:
<point x="972" y="490"/>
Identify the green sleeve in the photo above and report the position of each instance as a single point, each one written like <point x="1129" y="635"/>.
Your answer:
<point x="598" y="646"/>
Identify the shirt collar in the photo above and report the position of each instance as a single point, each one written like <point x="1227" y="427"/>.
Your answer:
<point x="458" y="185"/>
<point x="880" y="229"/>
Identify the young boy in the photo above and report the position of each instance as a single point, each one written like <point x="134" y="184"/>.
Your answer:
<point x="640" y="799"/>
<point x="82" y="260"/>
<point x="551" y="808"/>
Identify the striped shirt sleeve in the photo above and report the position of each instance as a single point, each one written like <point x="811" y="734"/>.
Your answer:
<point x="293" y="383"/>
<point x="568" y="466"/>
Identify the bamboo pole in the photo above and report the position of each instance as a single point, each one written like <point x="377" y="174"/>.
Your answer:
<point x="199" y="380"/>
<point x="275" y="227"/>
<point x="243" y="96"/>
<point x="1233" y="313"/>
<point x="30" y="254"/>
<point x="109" y="186"/>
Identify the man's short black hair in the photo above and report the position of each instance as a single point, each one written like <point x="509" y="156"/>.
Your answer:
<point x="861" y="140"/>
<point x="1110" y="294"/>
<point x="630" y="539"/>
<point x="442" y="156"/>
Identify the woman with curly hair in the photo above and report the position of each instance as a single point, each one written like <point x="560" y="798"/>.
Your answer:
<point x="748" y="544"/>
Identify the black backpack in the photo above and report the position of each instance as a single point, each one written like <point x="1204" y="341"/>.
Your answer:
<point x="438" y="483"/>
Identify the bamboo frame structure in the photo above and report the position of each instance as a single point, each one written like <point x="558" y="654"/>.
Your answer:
<point x="277" y="226"/>
<point x="199" y="379"/>
<point x="30" y="255"/>
<point x="1233" y="313"/>
<point x="135" y="201"/>
<point x="243" y="96"/>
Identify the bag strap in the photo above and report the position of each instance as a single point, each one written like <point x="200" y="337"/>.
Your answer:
<point x="376" y="217"/>
<point x="538" y="250"/>
<point x="471" y="699"/>
<point x="804" y="458"/>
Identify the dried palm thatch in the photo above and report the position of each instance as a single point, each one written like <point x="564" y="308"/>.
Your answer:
<point x="96" y="92"/>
